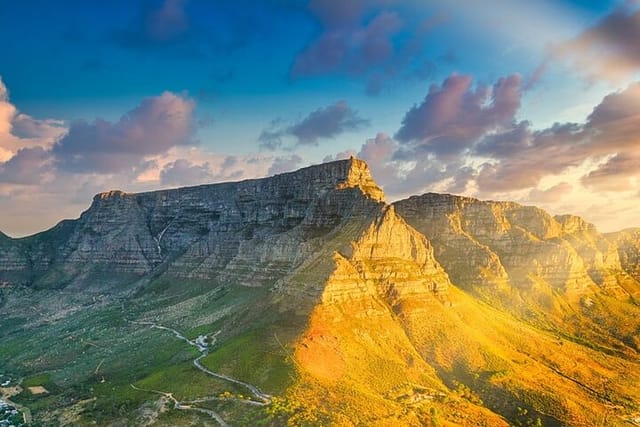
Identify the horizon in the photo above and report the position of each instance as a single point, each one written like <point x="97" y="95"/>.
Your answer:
<point x="535" y="104"/>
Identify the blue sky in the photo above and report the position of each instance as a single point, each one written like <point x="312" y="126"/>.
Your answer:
<point x="490" y="99"/>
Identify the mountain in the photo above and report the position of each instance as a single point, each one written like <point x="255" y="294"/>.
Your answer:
<point x="195" y="231"/>
<point x="306" y="299"/>
<point x="546" y="269"/>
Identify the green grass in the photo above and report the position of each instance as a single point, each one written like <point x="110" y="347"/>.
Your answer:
<point x="254" y="357"/>
<point x="186" y="382"/>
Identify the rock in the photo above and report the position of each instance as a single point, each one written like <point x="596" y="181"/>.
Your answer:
<point x="251" y="230"/>
<point x="486" y="243"/>
<point x="627" y="243"/>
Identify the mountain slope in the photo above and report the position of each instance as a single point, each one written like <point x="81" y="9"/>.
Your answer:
<point x="557" y="272"/>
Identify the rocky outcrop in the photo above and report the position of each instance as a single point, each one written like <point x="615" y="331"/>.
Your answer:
<point x="389" y="260"/>
<point x="256" y="231"/>
<point x="14" y="264"/>
<point x="627" y="243"/>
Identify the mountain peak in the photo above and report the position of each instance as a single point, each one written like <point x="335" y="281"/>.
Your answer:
<point x="359" y="175"/>
<point x="340" y="174"/>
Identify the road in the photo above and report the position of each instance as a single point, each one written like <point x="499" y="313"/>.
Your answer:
<point x="263" y="399"/>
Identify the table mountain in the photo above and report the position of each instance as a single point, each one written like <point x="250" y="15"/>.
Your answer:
<point x="341" y="308"/>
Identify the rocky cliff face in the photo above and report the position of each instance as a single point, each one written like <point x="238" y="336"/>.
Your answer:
<point x="628" y="247"/>
<point x="13" y="260"/>
<point x="391" y="328"/>
<point x="484" y="243"/>
<point x="247" y="229"/>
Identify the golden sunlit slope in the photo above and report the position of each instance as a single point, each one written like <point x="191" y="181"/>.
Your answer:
<point x="558" y="273"/>
<point x="392" y="342"/>
<point x="356" y="363"/>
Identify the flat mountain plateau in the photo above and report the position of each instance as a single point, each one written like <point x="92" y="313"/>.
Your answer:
<point x="305" y="299"/>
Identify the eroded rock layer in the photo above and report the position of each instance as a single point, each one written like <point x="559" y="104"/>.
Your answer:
<point x="253" y="229"/>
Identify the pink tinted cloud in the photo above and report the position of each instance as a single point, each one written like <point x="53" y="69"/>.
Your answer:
<point x="453" y="116"/>
<point x="609" y="49"/>
<point x="153" y="127"/>
<point x="552" y="194"/>
<point x="353" y="49"/>
<point x="615" y="174"/>
<point x="29" y="166"/>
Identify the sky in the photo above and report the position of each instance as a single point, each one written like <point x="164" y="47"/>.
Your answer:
<point x="536" y="102"/>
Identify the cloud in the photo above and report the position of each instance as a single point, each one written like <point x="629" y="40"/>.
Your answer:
<point x="156" y="24"/>
<point x="521" y="156"/>
<point x="342" y="155"/>
<point x="195" y="30"/>
<point x="367" y="40"/>
<point x="284" y="164"/>
<point x="156" y="125"/>
<point x="184" y="172"/>
<point x="323" y="123"/>
<point x="466" y="139"/>
<point x="29" y="166"/>
<point x="615" y="174"/>
<point x="609" y="49"/>
<point x="337" y="13"/>
<point x="378" y="153"/>
<point x="523" y="161"/>
<point x="19" y="130"/>
<point x="327" y="122"/>
<point x="7" y="111"/>
<point x="345" y="44"/>
<point x="615" y="122"/>
<point x="552" y="194"/>
<point x="151" y="146"/>
<point x="454" y="116"/>
<point x="26" y="127"/>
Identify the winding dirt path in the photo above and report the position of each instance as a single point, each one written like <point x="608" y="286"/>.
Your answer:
<point x="263" y="399"/>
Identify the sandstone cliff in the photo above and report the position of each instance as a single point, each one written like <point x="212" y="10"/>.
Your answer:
<point x="485" y="243"/>
<point x="248" y="229"/>
<point x="628" y="246"/>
